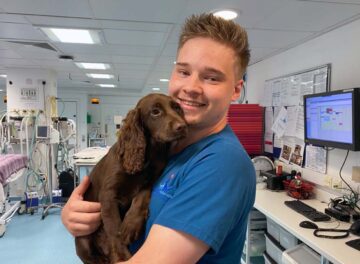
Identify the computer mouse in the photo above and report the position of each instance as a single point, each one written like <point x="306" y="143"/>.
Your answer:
<point x="308" y="224"/>
<point x="355" y="228"/>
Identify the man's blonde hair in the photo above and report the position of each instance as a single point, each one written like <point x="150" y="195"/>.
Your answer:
<point x="223" y="31"/>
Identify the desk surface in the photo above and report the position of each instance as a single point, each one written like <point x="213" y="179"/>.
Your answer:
<point x="272" y="205"/>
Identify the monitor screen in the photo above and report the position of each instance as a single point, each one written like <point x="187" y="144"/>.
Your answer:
<point x="330" y="119"/>
<point x="42" y="132"/>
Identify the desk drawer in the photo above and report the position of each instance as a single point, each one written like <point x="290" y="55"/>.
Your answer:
<point x="300" y="254"/>
<point x="273" y="229"/>
<point x="273" y="248"/>
<point x="287" y="240"/>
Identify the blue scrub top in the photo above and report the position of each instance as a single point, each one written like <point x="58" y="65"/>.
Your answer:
<point x="207" y="191"/>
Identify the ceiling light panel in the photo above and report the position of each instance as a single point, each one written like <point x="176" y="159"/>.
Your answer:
<point x="68" y="35"/>
<point x="100" y="76"/>
<point x="93" y="66"/>
<point x="107" y="85"/>
<point x="226" y="14"/>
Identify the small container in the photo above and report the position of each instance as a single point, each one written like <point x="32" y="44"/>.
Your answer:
<point x="279" y="170"/>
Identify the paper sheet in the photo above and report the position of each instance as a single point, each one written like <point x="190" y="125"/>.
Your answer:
<point x="315" y="159"/>
<point x="280" y="123"/>
<point x="276" y="89"/>
<point x="266" y="100"/>
<point x="291" y="121"/>
<point x="299" y="130"/>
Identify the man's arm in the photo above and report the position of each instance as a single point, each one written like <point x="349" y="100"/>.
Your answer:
<point x="168" y="246"/>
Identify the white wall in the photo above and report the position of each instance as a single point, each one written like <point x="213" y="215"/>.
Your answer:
<point x="81" y="99"/>
<point x="339" y="47"/>
<point x="104" y="112"/>
<point x="2" y="105"/>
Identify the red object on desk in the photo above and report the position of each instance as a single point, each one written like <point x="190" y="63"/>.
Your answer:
<point x="298" y="188"/>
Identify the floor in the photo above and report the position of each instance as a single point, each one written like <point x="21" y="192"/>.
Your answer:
<point x="29" y="239"/>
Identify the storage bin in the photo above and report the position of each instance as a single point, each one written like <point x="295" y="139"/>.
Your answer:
<point x="258" y="224"/>
<point x="273" y="248"/>
<point x="287" y="240"/>
<point x="273" y="229"/>
<point x="301" y="254"/>
<point x="257" y="243"/>
<point x="268" y="259"/>
<point x="255" y="214"/>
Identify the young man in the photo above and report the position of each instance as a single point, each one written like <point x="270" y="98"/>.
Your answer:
<point x="200" y="205"/>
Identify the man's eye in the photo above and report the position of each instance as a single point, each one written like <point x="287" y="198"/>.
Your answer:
<point x="155" y="112"/>
<point x="183" y="72"/>
<point x="211" y="78"/>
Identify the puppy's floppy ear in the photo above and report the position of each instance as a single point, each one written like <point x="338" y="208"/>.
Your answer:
<point x="132" y="143"/>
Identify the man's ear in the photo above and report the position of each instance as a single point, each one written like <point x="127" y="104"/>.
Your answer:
<point x="237" y="90"/>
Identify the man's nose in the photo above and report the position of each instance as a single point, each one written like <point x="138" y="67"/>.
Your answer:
<point x="194" y="85"/>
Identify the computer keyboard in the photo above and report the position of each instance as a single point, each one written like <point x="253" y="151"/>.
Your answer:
<point x="307" y="211"/>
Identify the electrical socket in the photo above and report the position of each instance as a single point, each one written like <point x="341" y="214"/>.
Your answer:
<point x="355" y="173"/>
<point x="337" y="183"/>
<point x="328" y="181"/>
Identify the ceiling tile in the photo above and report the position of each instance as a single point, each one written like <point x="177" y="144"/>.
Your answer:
<point x="7" y="53"/>
<point x="127" y="37"/>
<point x="19" y="31"/>
<point x="137" y="67"/>
<point x="274" y="39"/>
<point x="63" y="22"/>
<point x="138" y="10"/>
<point x="134" y="25"/>
<point x="306" y="16"/>
<point x="107" y="50"/>
<point x="78" y="8"/>
<point x="133" y="59"/>
<point x="258" y="53"/>
<point x="249" y="11"/>
<point x="13" y="19"/>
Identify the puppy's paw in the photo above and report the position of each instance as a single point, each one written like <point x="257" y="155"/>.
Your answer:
<point x="131" y="229"/>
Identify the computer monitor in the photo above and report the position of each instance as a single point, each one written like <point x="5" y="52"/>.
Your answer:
<point x="332" y="119"/>
<point x="42" y="132"/>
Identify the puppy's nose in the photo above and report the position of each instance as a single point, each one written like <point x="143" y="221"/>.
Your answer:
<point x="179" y="127"/>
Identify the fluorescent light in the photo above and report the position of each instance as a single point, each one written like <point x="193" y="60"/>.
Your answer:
<point x="226" y="14"/>
<point x="107" y="85"/>
<point x="100" y="76"/>
<point x="92" y="66"/>
<point x="164" y="80"/>
<point x="156" y="89"/>
<point x="1" y="90"/>
<point x="68" y="35"/>
<point x="3" y="75"/>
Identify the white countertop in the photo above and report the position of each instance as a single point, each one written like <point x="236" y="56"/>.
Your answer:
<point x="90" y="156"/>
<point x="271" y="204"/>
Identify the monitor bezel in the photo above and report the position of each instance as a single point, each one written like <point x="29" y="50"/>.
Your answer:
<point x="47" y="132"/>
<point x="355" y="145"/>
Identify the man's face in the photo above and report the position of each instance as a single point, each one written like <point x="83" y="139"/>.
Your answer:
<point x="204" y="82"/>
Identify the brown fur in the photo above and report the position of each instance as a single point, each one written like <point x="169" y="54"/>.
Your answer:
<point x="123" y="179"/>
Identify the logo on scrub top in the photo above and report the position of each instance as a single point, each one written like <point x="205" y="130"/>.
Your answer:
<point x="168" y="186"/>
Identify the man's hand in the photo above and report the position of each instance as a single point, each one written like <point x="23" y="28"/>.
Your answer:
<point x="78" y="216"/>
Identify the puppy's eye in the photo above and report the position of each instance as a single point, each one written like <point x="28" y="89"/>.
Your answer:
<point x="155" y="112"/>
<point x="176" y="107"/>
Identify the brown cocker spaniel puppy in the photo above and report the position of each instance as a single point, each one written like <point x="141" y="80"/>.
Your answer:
<point x="123" y="179"/>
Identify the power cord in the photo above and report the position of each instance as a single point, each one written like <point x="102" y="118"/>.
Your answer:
<point x="354" y="196"/>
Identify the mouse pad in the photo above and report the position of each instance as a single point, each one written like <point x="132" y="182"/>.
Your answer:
<point x="354" y="243"/>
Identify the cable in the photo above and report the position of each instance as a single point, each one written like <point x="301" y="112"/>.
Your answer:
<point x="355" y="195"/>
